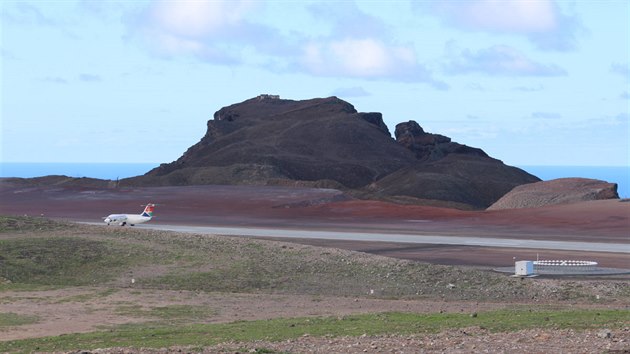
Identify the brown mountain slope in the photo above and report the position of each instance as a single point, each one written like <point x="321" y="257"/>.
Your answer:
<point x="326" y="142"/>
<point x="266" y="138"/>
<point x="557" y="191"/>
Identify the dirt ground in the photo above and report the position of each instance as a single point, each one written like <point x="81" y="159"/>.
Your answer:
<point x="327" y="209"/>
<point x="84" y="309"/>
<point x="87" y="309"/>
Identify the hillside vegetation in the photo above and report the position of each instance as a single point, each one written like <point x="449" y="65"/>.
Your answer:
<point x="39" y="256"/>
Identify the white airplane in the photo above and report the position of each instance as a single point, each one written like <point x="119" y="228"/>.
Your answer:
<point x="131" y="219"/>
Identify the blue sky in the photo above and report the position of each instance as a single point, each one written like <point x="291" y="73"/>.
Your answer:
<point x="532" y="82"/>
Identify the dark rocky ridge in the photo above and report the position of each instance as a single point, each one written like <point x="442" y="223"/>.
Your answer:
<point x="430" y="147"/>
<point x="325" y="142"/>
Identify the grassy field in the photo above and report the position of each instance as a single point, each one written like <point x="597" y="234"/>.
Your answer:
<point x="39" y="254"/>
<point x="200" y="335"/>
<point x="81" y="255"/>
<point x="12" y="319"/>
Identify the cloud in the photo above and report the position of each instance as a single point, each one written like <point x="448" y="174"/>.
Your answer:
<point x="498" y="60"/>
<point x="225" y="32"/>
<point x="7" y="55"/>
<point x="54" y="80"/>
<point x="529" y="88"/>
<point x="357" y="57"/>
<point x="541" y="21"/>
<point x="347" y="20"/>
<point x="546" y="115"/>
<point x="622" y="69"/>
<point x="195" y="19"/>
<point x="366" y="58"/>
<point x="359" y="45"/>
<point x="215" y="31"/>
<point x="89" y="78"/>
<point x="24" y="13"/>
<point x="475" y="86"/>
<point x="348" y="92"/>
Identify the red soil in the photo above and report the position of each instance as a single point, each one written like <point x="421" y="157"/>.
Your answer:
<point x="304" y="208"/>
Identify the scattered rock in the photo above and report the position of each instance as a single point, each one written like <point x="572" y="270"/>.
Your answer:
<point x="604" y="333"/>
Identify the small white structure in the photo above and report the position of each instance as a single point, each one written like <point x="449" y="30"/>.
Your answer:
<point x="524" y="268"/>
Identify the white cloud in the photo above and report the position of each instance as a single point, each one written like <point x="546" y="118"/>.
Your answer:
<point x="546" y="115"/>
<point x="346" y="20"/>
<point x="54" y="80"/>
<point x="198" y="18"/>
<point x="25" y="13"/>
<point x="541" y="21"/>
<point x="535" y="88"/>
<point x="226" y="32"/>
<point x="622" y="69"/>
<point x="89" y="77"/>
<point x="367" y="58"/>
<point x="501" y="15"/>
<point x="499" y="60"/>
<point x="213" y="30"/>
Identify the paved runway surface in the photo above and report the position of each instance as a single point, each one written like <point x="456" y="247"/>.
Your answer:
<point x="393" y="237"/>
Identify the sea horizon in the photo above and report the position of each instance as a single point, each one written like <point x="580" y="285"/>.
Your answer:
<point x="113" y="171"/>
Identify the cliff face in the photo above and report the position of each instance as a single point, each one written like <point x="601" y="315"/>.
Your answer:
<point x="326" y="142"/>
<point x="430" y="147"/>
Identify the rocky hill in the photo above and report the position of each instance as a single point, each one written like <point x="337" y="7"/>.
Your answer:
<point x="325" y="142"/>
<point x="557" y="191"/>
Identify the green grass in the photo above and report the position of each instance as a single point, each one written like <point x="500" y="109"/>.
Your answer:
<point x="159" y="336"/>
<point x="26" y="223"/>
<point x="170" y="313"/>
<point x="12" y="319"/>
<point x="87" y="297"/>
<point x="67" y="261"/>
<point x="82" y="255"/>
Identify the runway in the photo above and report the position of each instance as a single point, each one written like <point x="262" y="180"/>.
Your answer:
<point x="393" y="237"/>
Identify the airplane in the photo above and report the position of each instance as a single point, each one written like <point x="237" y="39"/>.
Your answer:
<point x="131" y="219"/>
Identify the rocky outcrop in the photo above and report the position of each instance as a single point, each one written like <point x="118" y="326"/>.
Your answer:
<point x="271" y="138"/>
<point x="430" y="147"/>
<point x="459" y="179"/>
<point x="557" y="191"/>
<point x="325" y="141"/>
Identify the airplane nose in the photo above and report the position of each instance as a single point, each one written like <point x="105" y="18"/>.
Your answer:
<point x="106" y="220"/>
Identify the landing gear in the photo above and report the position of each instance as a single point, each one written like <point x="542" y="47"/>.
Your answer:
<point x="123" y="223"/>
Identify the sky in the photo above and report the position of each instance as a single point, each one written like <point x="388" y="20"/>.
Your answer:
<point x="531" y="82"/>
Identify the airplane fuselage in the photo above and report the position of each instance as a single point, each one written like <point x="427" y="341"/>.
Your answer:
<point x="123" y="219"/>
<point x="131" y="219"/>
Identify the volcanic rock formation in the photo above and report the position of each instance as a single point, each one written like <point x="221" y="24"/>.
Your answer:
<point x="325" y="142"/>
<point x="557" y="191"/>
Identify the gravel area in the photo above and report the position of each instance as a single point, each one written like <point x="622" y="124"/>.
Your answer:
<point x="468" y="340"/>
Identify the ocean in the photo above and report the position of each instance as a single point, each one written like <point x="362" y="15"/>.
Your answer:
<point x="95" y="170"/>
<point x="616" y="174"/>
